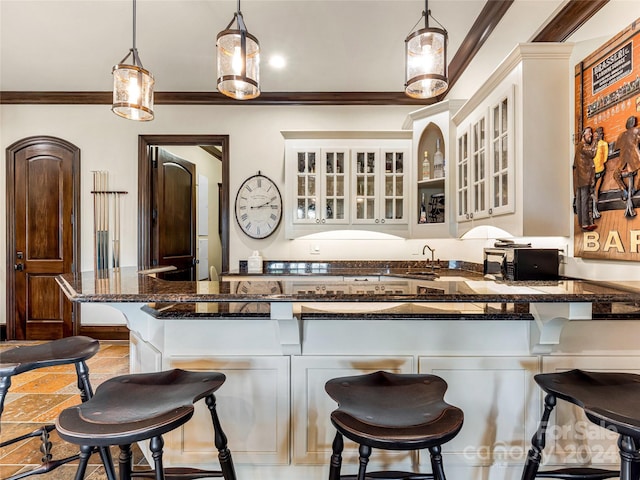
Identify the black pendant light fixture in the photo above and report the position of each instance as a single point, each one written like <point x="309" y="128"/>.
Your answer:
<point x="426" y="59"/>
<point x="132" y="85"/>
<point x="238" y="61"/>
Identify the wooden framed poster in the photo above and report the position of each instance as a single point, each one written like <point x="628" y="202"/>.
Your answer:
<point x="606" y="176"/>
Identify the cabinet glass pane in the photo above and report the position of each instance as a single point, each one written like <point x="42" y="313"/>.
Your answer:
<point x="370" y="205"/>
<point x="301" y="186"/>
<point x="312" y="163"/>
<point x="388" y="208"/>
<point x="505" y="153"/>
<point x="340" y="163"/>
<point x="360" y="163"/>
<point x="388" y="186"/>
<point x="360" y="208"/>
<point x="496" y="155"/>
<point x="505" y="189"/>
<point x="329" y="210"/>
<point x="360" y="185"/>
<point x="330" y="186"/>
<point x="340" y="186"/>
<point x="371" y="189"/>
<point x="301" y="211"/>
<point x="505" y="116"/>
<point x="399" y="162"/>
<point x="399" y="185"/>
<point x="388" y="162"/>
<point x="329" y="160"/>
<point x="371" y="162"/>
<point x="311" y="212"/>
<point x="399" y="208"/>
<point x="339" y="210"/>
<point x="312" y="186"/>
<point x="496" y="192"/>
<point x="496" y="122"/>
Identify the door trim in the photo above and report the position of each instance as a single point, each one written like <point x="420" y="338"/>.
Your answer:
<point x="11" y="222"/>
<point x="144" y="189"/>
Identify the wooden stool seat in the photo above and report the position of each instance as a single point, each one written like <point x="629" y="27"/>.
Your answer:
<point x="65" y="351"/>
<point x="392" y="412"/>
<point x="24" y="358"/>
<point x="137" y="407"/>
<point x="609" y="399"/>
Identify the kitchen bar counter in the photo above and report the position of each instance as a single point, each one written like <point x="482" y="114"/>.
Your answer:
<point x="279" y="337"/>
<point x="129" y="286"/>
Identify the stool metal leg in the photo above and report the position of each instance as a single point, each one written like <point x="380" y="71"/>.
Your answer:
<point x="220" y="440"/>
<point x="436" y="463"/>
<point x="336" y="457"/>
<point x="538" y="441"/>
<point x="365" y="453"/>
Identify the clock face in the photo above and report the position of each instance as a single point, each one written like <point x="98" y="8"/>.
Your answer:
<point x="258" y="206"/>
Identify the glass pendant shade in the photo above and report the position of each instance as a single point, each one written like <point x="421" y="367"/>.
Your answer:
<point x="426" y="63"/>
<point x="132" y="92"/>
<point x="238" y="62"/>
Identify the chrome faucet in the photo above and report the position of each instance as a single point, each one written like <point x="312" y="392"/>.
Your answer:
<point x="432" y="250"/>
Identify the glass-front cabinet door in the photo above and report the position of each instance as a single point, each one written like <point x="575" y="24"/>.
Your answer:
<point x="321" y="186"/>
<point x="365" y="167"/>
<point x="502" y="156"/>
<point x="479" y="190"/>
<point x="395" y="185"/>
<point x="462" y="177"/>
<point x="307" y="197"/>
<point x="379" y="183"/>
<point x="335" y="186"/>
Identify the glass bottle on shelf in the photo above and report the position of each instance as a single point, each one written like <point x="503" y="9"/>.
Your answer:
<point x="423" y="211"/>
<point x="426" y="167"/>
<point x="438" y="162"/>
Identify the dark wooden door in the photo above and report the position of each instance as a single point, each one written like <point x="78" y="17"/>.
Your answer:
<point x="43" y="196"/>
<point x="175" y="215"/>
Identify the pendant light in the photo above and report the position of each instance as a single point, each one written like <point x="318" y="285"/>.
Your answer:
<point x="426" y="59"/>
<point x="238" y="61"/>
<point x="132" y="85"/>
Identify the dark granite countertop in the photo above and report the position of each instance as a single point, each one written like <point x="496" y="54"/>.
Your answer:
<point x="126" y="285"/>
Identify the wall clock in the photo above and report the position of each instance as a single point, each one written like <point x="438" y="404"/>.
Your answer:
<point x="258" y="206"/>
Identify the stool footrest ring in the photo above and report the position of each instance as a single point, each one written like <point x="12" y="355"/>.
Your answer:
<point x="583" y="473"/>
<point x="178" y="473"/>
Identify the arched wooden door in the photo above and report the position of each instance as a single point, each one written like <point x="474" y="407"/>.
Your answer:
<point x="43" y="228"/>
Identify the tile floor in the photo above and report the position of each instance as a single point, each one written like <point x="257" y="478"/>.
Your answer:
<point x="36" y="397"/>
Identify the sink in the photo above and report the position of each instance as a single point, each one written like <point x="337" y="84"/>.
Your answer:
<point x="421" y="273"/>
<point x="451" y="279"/>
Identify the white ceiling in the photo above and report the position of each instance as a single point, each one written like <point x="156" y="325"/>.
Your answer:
<point x="330" y="45"/>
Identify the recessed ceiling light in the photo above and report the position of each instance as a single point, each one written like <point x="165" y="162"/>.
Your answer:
<point x="277" y="61"/>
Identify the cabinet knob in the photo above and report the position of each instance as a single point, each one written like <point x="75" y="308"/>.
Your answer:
<point x="323" y="220"/>
<point x="467" y="216"/>
<point x="382" y="221"/>
<point x="377" y="220"/>
<point x="317" y="220"/>
<point x="490" y="211"/>
<point x="471" y="215"/>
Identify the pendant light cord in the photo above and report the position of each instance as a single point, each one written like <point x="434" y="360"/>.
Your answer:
<point x="134" y="24"/>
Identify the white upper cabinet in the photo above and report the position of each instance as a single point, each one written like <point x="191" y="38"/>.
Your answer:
<point x="431" y="205"/>
<point x="346" y="180"/>
<point x="513" y="155"/>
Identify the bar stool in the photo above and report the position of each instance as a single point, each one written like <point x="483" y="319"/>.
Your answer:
<point x="610" y="400"/>
<point x="392" y="411"/>
<point x="138" y="407"/>
<point x="24" y="358"/>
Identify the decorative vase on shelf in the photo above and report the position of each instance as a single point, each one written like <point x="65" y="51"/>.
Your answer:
<point x="438" y="162"/>
<point x="426" y="167"/>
